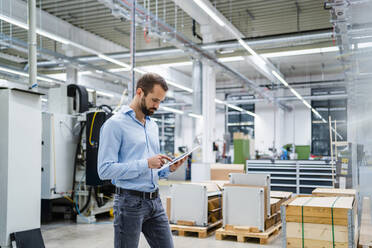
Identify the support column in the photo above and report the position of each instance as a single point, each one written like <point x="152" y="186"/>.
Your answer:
<point x="71" y="75"/>
<point x="132" y="84"/>
<point x="209" y="105"/>
<point x="32" y="59"/>
<point x="197" y="82"/>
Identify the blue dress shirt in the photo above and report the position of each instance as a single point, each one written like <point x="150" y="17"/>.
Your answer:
<point x="125" y="145"/>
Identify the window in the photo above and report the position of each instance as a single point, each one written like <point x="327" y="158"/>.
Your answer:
<point x="166" y="122"/>
<point x="337" y="109"/>
<point x="239" y="121"/>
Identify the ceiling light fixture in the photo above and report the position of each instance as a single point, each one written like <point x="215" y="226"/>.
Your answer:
<point x="195" y="116"/>
<point x="173" y="110"/>
<point x="24" y="74"/>
<point x="279" y="78"/>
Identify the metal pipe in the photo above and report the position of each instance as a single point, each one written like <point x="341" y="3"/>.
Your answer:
<point x="32" y="59"/>
<point x="131" y="85"/>
<point x="291" y="98"/>
<point x="271" y="42"/>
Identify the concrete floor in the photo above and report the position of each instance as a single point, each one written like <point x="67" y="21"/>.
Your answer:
<point x="72" y="235"/>
<point x="102" y="235"/>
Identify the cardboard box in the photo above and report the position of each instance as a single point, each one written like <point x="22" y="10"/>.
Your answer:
<point x="222" y="171"/>
<point x="169" y="207"/>
<point x="334" y="192"/>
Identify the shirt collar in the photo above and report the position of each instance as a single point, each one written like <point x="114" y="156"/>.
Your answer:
<point x="125" y="109"/>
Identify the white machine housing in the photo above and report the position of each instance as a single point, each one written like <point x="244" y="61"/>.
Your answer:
<point x="58" y="154"/>
<point x="20" y="162"/>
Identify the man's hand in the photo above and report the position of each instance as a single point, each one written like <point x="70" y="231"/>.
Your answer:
<point x="157" y="161"/>
<point x="175" y="166"/>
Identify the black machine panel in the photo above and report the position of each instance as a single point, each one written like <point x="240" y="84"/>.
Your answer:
<point x="95" y="121"/>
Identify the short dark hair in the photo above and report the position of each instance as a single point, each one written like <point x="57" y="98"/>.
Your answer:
<point x="148" y="80"/>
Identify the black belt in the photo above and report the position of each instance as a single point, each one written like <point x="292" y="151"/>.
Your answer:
<point x="144" y="195"/>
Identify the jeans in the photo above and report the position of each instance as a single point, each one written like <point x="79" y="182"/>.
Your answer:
<point x="133" y="214"/>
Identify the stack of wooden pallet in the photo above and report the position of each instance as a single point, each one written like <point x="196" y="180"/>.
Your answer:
<point x="272" y="223"/>
<point x="312" y="221"/>
<point x="277" y="198"/>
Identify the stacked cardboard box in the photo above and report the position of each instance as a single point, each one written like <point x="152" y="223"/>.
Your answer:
<point x="320" y="222"/>
<point x="222" y="171"/>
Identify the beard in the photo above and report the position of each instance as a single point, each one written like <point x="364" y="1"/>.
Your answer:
<point x="146" y="111"/>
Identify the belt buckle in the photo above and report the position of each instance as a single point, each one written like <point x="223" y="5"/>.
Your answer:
<point x="151" y="195"/>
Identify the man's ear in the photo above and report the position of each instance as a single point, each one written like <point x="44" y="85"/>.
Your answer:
<point x="139" y="92"/>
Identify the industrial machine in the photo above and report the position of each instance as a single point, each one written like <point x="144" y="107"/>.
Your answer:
<point x="20" y="165"/>
<point x="70" y="182"/>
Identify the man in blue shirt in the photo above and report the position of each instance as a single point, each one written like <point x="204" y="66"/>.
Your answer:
<point x="129" y="155"/>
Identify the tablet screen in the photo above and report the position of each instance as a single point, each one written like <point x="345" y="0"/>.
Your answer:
<point x="179" y="158"/>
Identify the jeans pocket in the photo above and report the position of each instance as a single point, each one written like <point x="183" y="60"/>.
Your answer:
<point x="132" y="202"/>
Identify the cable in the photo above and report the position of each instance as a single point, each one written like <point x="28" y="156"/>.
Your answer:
<point x="91" y="129"/>
<point x="105" y="106"/>
<point x="54" y="153"/>
<point x="88" y="200"/>
<point x="76" y="159"/>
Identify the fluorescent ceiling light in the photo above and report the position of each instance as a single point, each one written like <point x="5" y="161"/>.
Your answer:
<point x="114" y="61"/>
<point x="173" y="110"/>
<point x="185" y="63"/>
<point x="296" y="94"/>
<point x="119" y="69"/>
<point x="64" y="41"/>
<point x="231" y="59"/>
<point x="235" y="107"/>
<point x="316" y="113"/>
<point x="219" y="101"/>
<point x="306" y="104"/>
<point x="210" y="12"/>
<point x="222" y="51"/>
<point x="365" y="45"/>
<point x="250" y="113"/>
<point x="279" y="77"/>
<point x="179" y="86"/>
<point x="248" y="48"/>
<point x="13" y="21"/>
<point x="24" y="74"/>
<point x="195" y="116"/>
<point x="301" y="52"/>
<point x="14" y="71"/>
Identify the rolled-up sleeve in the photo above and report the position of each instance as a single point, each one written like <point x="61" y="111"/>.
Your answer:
<point x="108" y="164"/>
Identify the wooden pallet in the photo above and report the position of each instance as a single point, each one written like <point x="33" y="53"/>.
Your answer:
<point x="243" y="235"/>
<point x="200" y="232"/>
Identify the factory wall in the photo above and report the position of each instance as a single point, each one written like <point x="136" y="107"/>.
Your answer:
<point x="283" y="122"/>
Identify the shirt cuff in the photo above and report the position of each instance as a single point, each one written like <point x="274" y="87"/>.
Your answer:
<point x="143" y="165"/>
<point x="164" y="173"/>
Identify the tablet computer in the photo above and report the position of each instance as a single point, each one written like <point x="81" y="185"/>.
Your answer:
<point x="179" y="158"/>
